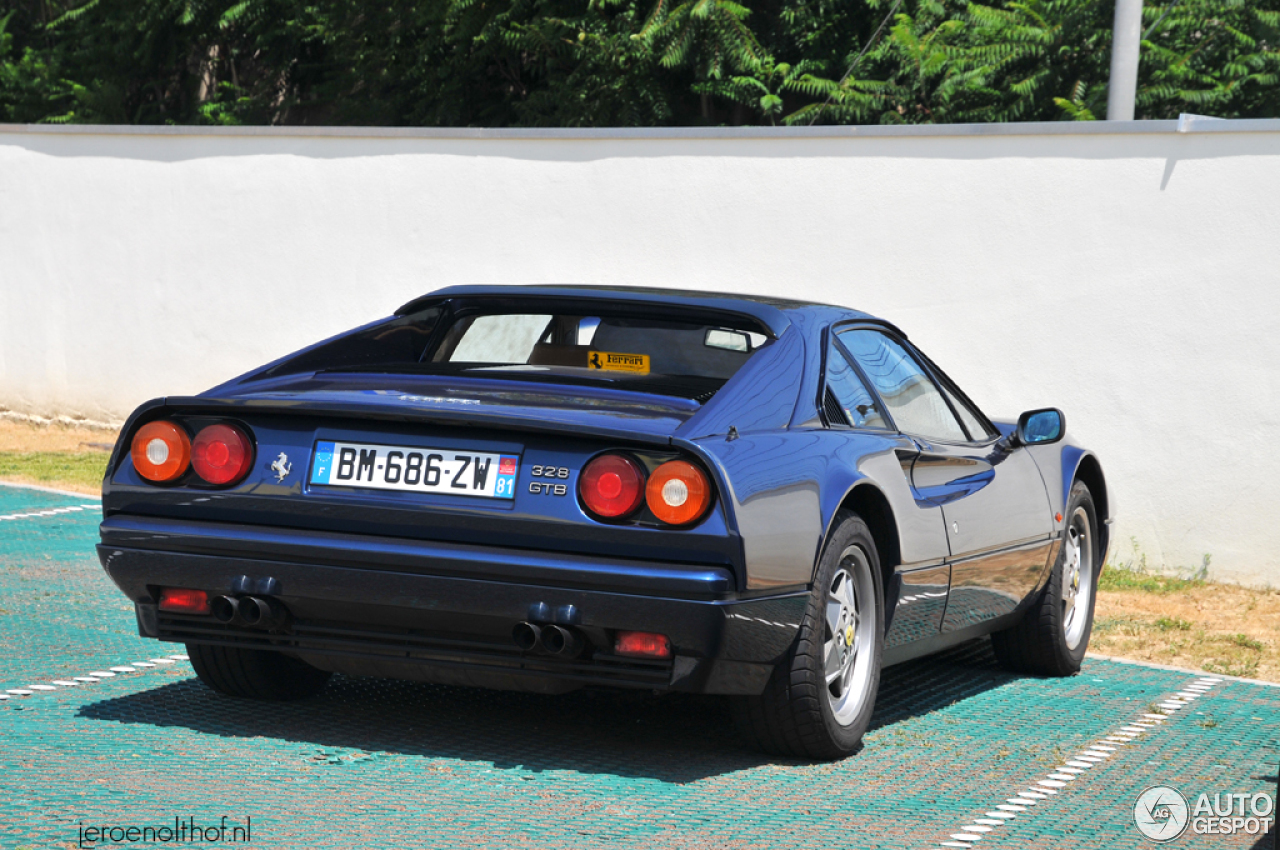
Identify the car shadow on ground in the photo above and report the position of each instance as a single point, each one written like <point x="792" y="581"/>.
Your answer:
<point x="675" y="738"/>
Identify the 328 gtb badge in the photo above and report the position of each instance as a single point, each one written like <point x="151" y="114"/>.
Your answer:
<point x="546" y="488"/>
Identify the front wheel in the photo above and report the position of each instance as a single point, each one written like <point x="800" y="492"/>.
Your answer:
<point x="1052" y="637"/>
<point x="818" y="702"/>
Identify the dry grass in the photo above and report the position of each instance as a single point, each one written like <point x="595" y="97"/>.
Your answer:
<point x="54" y="456"/>
<point x="1218" y="628"/>
<point x="30" y="437"/>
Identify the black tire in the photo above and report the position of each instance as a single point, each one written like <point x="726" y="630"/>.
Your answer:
<point x="255" y="673"/>
<point x="1040" y="642"/>
<point x="795" y="715"/>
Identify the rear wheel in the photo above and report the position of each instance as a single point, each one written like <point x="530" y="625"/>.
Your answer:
<point x="1052" y="637"/>
<point x="818" y="702"/>
<point x="255" y="673"/>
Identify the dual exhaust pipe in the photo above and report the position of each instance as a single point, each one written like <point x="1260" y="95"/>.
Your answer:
<point x="256" y="612"/>
<point x="565" y="641"/>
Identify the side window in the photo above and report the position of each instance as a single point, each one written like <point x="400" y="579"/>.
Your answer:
<point x="977" y="431"/>
<point x="916" y="405"/>
<point x="858" y="406"/>
<point x="499" y="338"/>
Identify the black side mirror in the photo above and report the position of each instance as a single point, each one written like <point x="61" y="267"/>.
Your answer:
<point x="1040" y="427"/>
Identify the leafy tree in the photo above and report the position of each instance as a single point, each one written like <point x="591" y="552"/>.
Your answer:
<point x="581" y="63"/>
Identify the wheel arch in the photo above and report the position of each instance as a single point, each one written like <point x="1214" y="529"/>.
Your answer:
<point x="1089" y="471"/>
<point x="866" y="500"/>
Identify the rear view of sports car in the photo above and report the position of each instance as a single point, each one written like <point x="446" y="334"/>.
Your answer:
<point x="551" y="488"/>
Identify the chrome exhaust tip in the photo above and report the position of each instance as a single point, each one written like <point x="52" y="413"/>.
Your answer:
<point x="559" y="640"/>
<point x="261" y="613"/>
<point x="526" y="636"/>
<point x="225" y="609"/>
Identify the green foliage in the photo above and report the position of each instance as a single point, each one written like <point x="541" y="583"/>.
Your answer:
<point x="581" y="63"/>
<point x="83" y="469"/>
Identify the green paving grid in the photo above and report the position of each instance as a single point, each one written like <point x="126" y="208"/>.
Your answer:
<point x="390" y="764"/>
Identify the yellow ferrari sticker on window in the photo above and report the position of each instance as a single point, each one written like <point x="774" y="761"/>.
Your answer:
<point x="612" y="361"/>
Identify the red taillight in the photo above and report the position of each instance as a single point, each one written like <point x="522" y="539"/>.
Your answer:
<point x="184" y="600"/>
<point x="642" y="645"/>
<point x="221" y="454"/>
<point x="678" y="492"/>
<point x="161" y="451"/>
<point x="611" y="486"/>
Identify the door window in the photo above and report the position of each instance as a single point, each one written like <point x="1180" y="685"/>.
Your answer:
<point x="977" y="431"/>
<point x="914" y="402"/>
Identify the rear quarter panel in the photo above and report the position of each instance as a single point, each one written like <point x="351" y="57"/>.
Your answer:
<point x="784" y="489"/>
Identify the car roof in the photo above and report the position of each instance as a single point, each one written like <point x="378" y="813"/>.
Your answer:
<point x="768" y="311"/>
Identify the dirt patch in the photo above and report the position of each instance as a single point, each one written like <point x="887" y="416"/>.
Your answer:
<point x="1218" y="628"/>
<point x="30" y="437"/>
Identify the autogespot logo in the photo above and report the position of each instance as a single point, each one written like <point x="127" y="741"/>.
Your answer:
<point x="1161" y="813"/>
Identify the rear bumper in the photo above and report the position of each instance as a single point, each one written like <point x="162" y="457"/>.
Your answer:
<point x="422" y="609"/>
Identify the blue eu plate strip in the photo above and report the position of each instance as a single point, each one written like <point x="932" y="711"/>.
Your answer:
<point x="322" y="466"/>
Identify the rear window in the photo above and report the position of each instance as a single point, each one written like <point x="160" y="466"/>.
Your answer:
<point x="582" y="342"/>
<point x="670" y="356"/>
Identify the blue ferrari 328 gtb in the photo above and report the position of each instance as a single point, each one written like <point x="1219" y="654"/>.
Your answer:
<point x="555" y="487"/>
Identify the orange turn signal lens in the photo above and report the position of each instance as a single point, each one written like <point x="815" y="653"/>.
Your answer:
<point x="161" y="451"/>
<point x="678" y="492"/>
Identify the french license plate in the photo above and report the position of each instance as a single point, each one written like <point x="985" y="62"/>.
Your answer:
<point x="418" y="470"/>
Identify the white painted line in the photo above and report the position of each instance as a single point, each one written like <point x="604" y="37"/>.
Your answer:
<point x="179" y="658"/>
<point x="989" y="821"/>
<point x="142" y="664"/>
<point x="91" y="678"/>
<point x="47" y="513"/>
<point x="1089" y="758"/>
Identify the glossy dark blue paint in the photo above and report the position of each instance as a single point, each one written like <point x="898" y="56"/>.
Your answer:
<point x="781" y="477"/>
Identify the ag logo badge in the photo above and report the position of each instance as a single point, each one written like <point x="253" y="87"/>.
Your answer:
<point x="1161" y="813"/>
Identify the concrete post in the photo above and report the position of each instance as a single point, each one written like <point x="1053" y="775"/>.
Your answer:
<point x="1126" y="38"/>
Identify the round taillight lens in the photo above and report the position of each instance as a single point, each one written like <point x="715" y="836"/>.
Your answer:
<point x="161" y="451"/>
<point x="611" y="486"/>
<point x="221" y="454"/>
<point x="678" y="492"/>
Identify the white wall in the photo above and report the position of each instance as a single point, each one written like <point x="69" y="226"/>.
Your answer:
<point x="1124" y="272"/>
